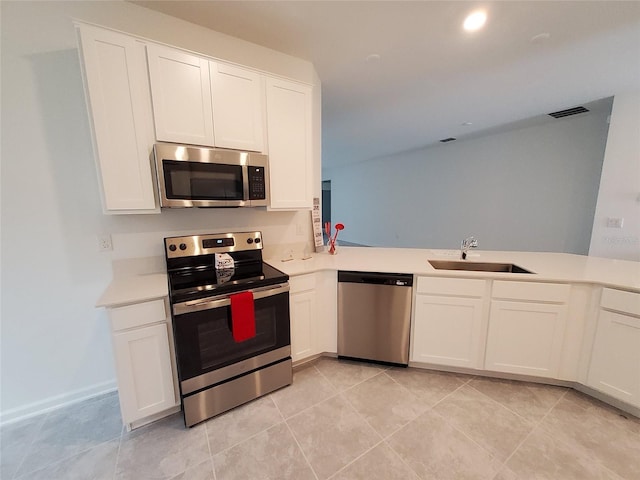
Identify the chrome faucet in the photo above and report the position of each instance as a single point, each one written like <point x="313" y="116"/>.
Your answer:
<point x="466" y="244"/>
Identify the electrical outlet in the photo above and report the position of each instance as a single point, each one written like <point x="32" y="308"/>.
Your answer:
<point x="104" y="243"/>
<point x="613" y="222"/>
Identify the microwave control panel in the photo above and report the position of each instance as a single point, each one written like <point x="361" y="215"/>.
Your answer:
<point x="257" y="187"/>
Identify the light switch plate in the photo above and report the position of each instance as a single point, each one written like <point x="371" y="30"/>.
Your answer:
<point x="613" y="222"/>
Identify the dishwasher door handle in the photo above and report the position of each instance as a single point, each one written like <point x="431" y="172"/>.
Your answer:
<point x="376" y="278"/>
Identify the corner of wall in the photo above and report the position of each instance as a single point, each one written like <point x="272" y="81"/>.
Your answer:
<point x="619" y="192"/>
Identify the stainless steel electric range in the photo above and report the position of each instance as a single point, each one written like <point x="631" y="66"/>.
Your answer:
<point x="230" y="315"/>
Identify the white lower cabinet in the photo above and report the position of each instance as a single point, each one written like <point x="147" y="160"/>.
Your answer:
<point x="304" y="316"/>
<point x="449" y="322"/>
<point x="615" y="359"/>
<point x="526" y="328"/>
<point x="143" y="355"/>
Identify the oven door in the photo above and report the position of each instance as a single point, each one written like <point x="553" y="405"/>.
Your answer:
<point x="205" y="349"/>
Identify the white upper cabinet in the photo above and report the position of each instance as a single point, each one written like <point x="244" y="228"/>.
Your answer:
<point x="238" y="107"/>
<point x="289" y="136"/>
<point x="202" y="102"/>
<point x="181" y="94"/>
<point x="141" y="92"/>
<point x="117" y="90"/>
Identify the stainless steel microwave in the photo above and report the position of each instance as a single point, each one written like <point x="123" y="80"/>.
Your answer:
<point x="191" y="176"/>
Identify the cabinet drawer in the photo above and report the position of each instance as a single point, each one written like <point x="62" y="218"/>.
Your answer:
<point x="625" y="302"/>
<point x="531" y="291"/>
<point x="459" y="287"/>
<point x="302" y="283"/>
<point x="137" y="315"/>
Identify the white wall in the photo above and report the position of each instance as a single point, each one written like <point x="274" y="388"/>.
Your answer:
<point x="619" y="195"/>
<point x="532" y="189"/>
<point x="55" y="346"/>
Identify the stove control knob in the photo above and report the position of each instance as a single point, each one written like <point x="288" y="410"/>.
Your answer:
<point x="172" y="247"/>
<point x="257" y="240"/>
<point x="249" y="241"/>
<point x="183" y="246"/>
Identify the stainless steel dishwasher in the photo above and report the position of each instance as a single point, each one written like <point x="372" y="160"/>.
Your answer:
<point x="374" y="316"/>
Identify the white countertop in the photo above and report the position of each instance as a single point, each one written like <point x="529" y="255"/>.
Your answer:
<point x="560" y="267"/>
<point x="134" y="289"/>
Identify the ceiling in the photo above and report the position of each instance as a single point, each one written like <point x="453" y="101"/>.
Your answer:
<point x="432" y="79"/>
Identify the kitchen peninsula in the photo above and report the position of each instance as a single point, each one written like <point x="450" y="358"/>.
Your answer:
<point x="574" y="321"/>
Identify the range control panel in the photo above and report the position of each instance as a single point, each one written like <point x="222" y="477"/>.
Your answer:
<point x="194" y="245"/>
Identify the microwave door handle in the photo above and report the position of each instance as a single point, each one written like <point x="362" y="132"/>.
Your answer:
<point x="245" y="182"/>
<point x="224" y="301"/>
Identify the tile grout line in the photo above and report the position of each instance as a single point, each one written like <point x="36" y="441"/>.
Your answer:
<point x="463" y="433"/>
<point x="481" y="447"/>
<point x="304" y="455"/>
<point x="355" y="410"/>
<point x="429" y="408"/>
<point x="536" y="425"/>
<point x="251" y="436"/>
<point x="356" y="459"/>
<point x="66" y="457"/>
<point x="350" y="404"/>
<point x="295" y="439"/>
<point x="335" y="394"/>
<point x="14" y="475"/>
<point x="352" y="407"/>
<point x="355" y="384"/>
<point x="398" y="455"/>
<point x="115" y="466"/>
<point x="213" y="465"/>
<point x="579" y="452"/>
<point x="513" y="411"/>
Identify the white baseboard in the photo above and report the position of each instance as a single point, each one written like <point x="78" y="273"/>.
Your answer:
<point x="53" y="403"/>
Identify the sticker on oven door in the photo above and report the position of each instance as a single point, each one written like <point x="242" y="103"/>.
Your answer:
<point x="223" y="276"/>
<point x="224" y="261"/>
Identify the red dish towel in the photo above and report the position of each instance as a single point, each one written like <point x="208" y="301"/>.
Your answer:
<point x="243" y="322"/>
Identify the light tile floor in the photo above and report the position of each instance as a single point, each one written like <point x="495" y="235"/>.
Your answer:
<point x="344" y="420"/>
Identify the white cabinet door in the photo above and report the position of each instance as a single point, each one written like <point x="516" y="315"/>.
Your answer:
<point x="289" y="137"/>
<point x="326" y="290"/>
<point x="448" y="331"/>
<point x="118" y="97"/>
<point x="302" y="307"/>
<point x="143" y="367"/>
<point x="303" y="319"/>
<point x="615" y="360"/>
<point x="525" y="337"/>
<point x="181" y="94"/>
<point x="238" y="107"/>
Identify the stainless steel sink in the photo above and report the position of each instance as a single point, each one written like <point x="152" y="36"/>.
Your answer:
<point x="477" y="266"/>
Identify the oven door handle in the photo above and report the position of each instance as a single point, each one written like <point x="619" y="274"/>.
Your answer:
<point x="225" y="300"/>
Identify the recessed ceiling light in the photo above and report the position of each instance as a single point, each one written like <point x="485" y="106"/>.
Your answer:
<point x="475" y="21"/>
<point x="467" y="124"/>
<point x="374" y="57"/>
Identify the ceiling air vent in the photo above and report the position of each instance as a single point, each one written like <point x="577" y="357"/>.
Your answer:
<point x="447" y="140"/>
<point x="568" y="112"/>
